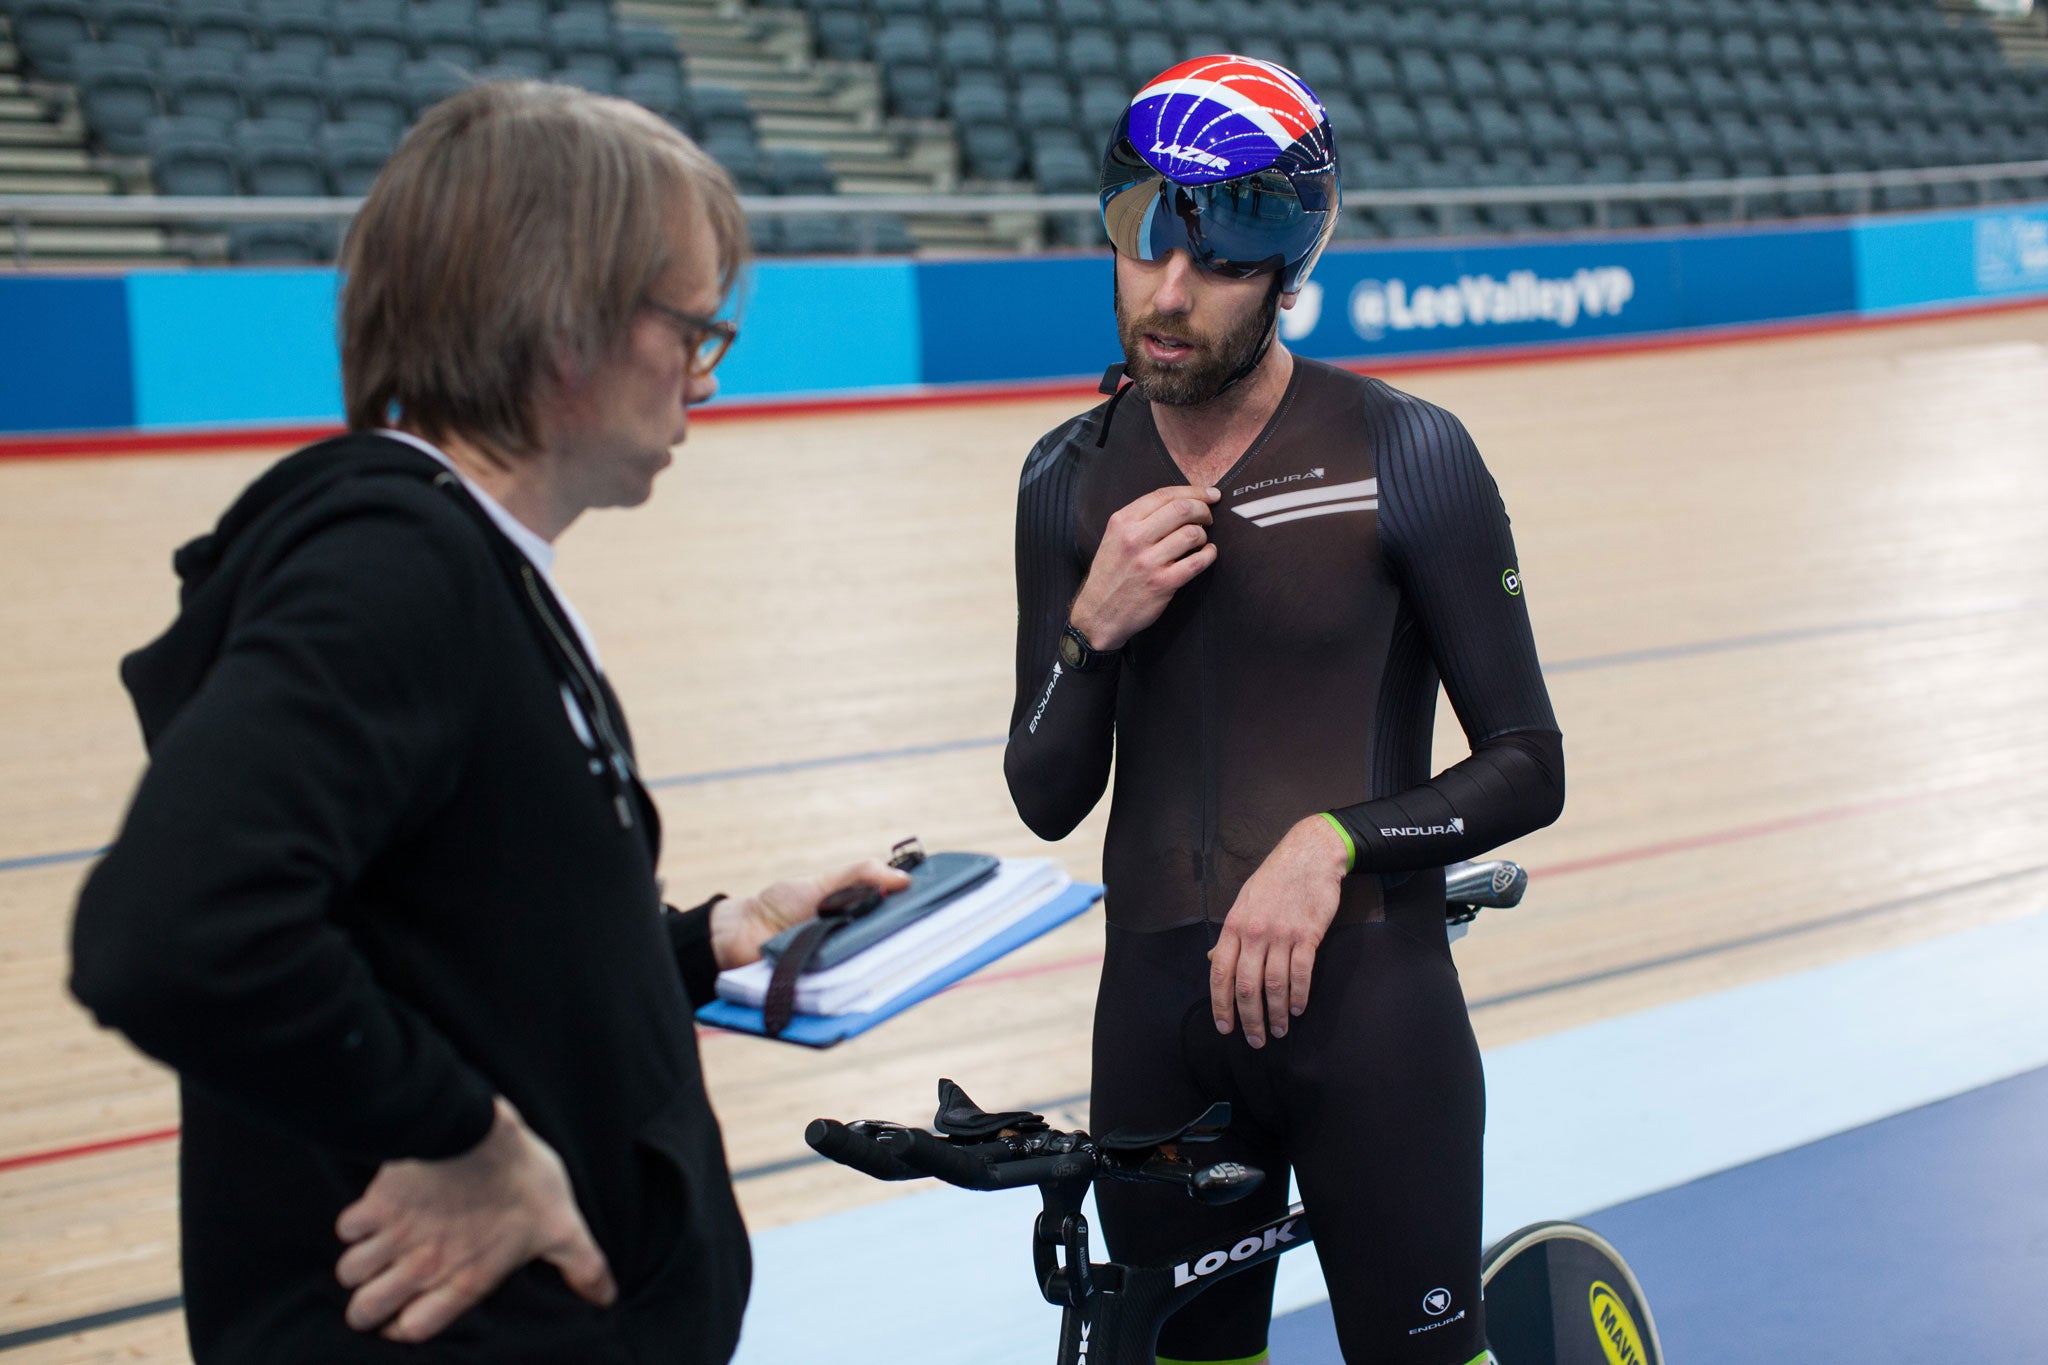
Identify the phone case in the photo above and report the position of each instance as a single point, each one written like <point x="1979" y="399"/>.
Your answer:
<point x="934" y="882"/>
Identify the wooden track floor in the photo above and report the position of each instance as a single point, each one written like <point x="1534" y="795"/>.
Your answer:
<point x="1793" y="595"/>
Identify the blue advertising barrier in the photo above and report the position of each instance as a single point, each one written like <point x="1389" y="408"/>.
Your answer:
<point x="1924" y="262"/>
<point x="1367" y="303"/>
<point x="205" y="349"/>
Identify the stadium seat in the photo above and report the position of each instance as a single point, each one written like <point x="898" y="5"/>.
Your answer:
<point x="1022" y="13"/>
<point x="445" y="30"/>
<point x="992" y="152"/>
<point x="351" y="155"/>
<point x="46" y="32"/>
<point x="278" y="160"/>
<point x="658" y="88"/>
<point x="792" y="170"/>
<point x="117" y="93"/>
<point x="842" y="34"/>
<point x="640" y="46"/>
<point x="223" y="25"/>
<point x="1076" y="16"/>
<point x="1091" y="53"/>
<point x="958" y="11"/>
<point x="145" y="23"/>
<point x="302" y="26"/>
<point x="515" y="36"/>
<point x="191" y="157"/>
<point x="278" y="244"/>
<point x="1103" y="100"/>
<point x="1422" y="73"/>
<point x="1146" y="54"/>
<point x="1043" y="102"/>
<point x="968" y="45"/>
<point x="722" y="113"/>
<point x="817" y="235"/>
<point x="372" y="31"/>
<point x="429" y="81"/>
<point x="742" y="158"/>
<point x="365" y="88"/>
<point x="582" y="40"/>
<point x="1030" y="48"/>
<point x="201" y="80"/>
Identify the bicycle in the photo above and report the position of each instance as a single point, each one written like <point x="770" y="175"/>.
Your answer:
<point x="1556" y="1293"/>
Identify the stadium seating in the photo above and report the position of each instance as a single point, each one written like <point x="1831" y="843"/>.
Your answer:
<point x="1422" y="95"/>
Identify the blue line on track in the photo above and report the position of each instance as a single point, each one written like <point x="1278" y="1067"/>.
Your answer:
<point x="76" y="855"/>
<point x="831" y="761"/>
<point x="1693" y="649"/>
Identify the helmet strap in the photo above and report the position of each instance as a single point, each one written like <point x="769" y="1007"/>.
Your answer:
<point x="1272" y="329"/>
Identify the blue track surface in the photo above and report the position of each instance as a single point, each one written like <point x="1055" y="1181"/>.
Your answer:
<point x="1922" y="1237"/>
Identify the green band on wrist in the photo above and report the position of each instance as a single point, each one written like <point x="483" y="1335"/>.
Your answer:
<point x="1350" y="848"/>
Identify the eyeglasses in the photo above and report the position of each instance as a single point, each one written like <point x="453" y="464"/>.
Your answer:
<point x="707" y="339"/>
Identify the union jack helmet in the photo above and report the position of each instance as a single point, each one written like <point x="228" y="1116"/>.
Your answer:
<point x="1230" y="159"/>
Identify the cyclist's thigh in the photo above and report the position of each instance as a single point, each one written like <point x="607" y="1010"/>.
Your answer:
<point x="1387" y="1109"/>
<point x="1142" y="1083"/>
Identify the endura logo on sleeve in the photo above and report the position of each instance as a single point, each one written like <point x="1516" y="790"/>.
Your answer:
<point x="1457" y="826"/>
<point x="1039" y="713"/>
<point x="1187" y="1272"/>
<point x="1382" y="306"/>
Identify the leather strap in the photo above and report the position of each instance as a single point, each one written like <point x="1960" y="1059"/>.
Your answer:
<point x="780" y="1004"/>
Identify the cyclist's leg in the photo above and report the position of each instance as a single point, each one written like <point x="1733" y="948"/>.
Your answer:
<point x="1386" y="1107"/>
<point x="1149" y="984"/>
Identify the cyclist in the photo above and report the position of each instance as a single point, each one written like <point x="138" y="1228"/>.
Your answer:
<point x="1246" y="572"/>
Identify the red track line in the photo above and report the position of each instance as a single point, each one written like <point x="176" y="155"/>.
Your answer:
<point x="86" y="1149"/>
<point x="76" y="444"/>
<point x="1640" y="853"/>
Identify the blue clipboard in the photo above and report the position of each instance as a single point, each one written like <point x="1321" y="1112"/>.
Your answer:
<point x="823" y="1030"/>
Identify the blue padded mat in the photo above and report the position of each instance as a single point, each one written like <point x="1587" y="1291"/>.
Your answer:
<point x="1922" y="1237"/>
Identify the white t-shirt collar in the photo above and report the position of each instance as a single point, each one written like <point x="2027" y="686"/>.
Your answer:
<point x="537" y="551"/>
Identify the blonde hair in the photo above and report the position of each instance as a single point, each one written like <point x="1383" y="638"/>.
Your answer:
<point x="517" y="227"/>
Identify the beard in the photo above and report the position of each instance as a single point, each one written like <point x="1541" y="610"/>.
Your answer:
<point x="1211" y="364"/>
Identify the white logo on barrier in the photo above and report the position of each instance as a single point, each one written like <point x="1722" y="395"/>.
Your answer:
<point x="1382" y="306"/>
<point x="1298" y="321"/>
<point x="2012" y="251"/>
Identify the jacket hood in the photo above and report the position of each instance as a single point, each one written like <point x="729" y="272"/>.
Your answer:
<point x="270" y="516"/>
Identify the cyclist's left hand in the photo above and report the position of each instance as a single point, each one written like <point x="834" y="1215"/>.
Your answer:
<point x="1259" y="969"/>
<point x="740" y="927"/>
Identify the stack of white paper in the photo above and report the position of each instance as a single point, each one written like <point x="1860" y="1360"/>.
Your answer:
<point x="870" y="979"/>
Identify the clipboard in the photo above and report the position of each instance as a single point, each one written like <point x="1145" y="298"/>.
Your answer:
<point x="822" y="1031"/>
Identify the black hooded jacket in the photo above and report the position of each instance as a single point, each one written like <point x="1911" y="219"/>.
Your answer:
<point x="373" y="876"/>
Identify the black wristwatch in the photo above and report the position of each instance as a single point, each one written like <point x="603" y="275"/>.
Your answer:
<point x="1076" y="653"/>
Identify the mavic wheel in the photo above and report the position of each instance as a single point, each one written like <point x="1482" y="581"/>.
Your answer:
<point x="1560" y="1294"/>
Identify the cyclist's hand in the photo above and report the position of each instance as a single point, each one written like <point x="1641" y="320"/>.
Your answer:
<point x="740" y="927"/>
<point x="429" y="1239"/>
<point x="1150" y="550"/>
<point x="1259" y="969"/>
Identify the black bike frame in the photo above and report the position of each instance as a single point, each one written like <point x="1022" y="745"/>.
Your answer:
<point x="1111" y="1313"/>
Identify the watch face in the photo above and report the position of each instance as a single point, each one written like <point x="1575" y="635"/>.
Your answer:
<point x="1070" y="651"/>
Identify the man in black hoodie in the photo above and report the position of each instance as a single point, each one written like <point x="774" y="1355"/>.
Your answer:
<point x="386" y="896"/>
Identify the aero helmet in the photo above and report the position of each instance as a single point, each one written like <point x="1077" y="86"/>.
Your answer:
<point x="1229" y="159"/>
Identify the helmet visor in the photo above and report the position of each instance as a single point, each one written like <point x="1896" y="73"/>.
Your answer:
<point x="1250" y="225"/>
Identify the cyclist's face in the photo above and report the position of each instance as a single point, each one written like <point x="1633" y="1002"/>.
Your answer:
<point x="1184" y="330"/>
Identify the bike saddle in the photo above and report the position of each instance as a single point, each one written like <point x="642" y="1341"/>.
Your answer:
<point x="961" y="1117"/>
<point x="1205" y="1127"/>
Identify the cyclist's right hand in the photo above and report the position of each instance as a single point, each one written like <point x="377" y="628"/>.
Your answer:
<point x="1150" y="550"/>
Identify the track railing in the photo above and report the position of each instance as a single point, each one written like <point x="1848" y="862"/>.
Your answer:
<point x="1742" y="195"/>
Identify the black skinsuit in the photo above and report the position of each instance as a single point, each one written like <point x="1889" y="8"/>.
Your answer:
<point x="1362" y="554"/>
